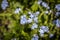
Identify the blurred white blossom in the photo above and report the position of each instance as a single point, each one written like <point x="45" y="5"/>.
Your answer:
<point x="13" y="39"/>
<point x="4" y="4"/>
<point x="51" y="35"/>
<point x="42" y="35"/>
<point x="50" y="11"/>
<point x="29" y="12"/>
<point x="46" y="12"/>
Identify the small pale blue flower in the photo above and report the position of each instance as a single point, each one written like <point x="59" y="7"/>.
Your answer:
<point x="57" y="7"/>
<point x="57" y="13"/>
<point x="17" y="10"/>
<point x="44" y="28"/>
<point x="37" y="13"/>
<point x="41" y="31"/>
<point x="4" y="4"/>
<point x="32" y="16"/>
<point x="29" y="20"/>
<point x="23" y="19"/>
<point x="48" y="7"/>
<point x="34" y="26"/>
<point x="39" y="2"/>
<point x="58" y="23"/>
<point x="23" y="16"/>
<point x="36" y="19"/>
<point x="44" y="4"/>
<point x="35" y="37"/>
<point x="51" y="35"/>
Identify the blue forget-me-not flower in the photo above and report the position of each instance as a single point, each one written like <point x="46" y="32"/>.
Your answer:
<point x="4" y="4"/>
<point x="35" y="37"/>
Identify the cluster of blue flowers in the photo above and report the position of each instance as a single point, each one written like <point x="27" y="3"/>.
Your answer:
<point x="57" y="21"/>
<point x="33" y="17"/>
<point x="43" y="29"/>
<point x="44" y="4"/>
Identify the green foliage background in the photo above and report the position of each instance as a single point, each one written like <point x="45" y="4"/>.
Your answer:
<point x="10" y="22"/>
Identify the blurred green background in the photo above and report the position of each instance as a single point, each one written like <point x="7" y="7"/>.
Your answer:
<point x="10" y="26"/>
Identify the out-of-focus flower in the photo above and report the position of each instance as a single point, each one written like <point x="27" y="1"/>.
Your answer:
<point x="29" y="20"/>
<point x="58" y="23"/>
<point x="44" y="4"/>
<point x="13" y="39"/>
<point x="42" y="35"/>
<point x="4" y="4"/>
<point x="50" y="11"/>
<point x="17" y="10"/>
<point x="34" y="26"/>
<point x="32" y="16"/>
<point x="39" y="1"/>
<point x="46" y="12"/>
<point x="37" y="13"/>
<point x="44" y="28"/>
<point x="41" y="32"/>
<point x="51" y="35"/>
<point x="36" y="19"/>
<point x="57" y="13"/>
<point x="29" y="12"/>
<point x="35" y="37"/>
<point x="54" y="21"/>
<point x="57" y="7"/>
<point x="23" y="19"/>
<point x="23" y="16"/>
<point x="48" y="7"/>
